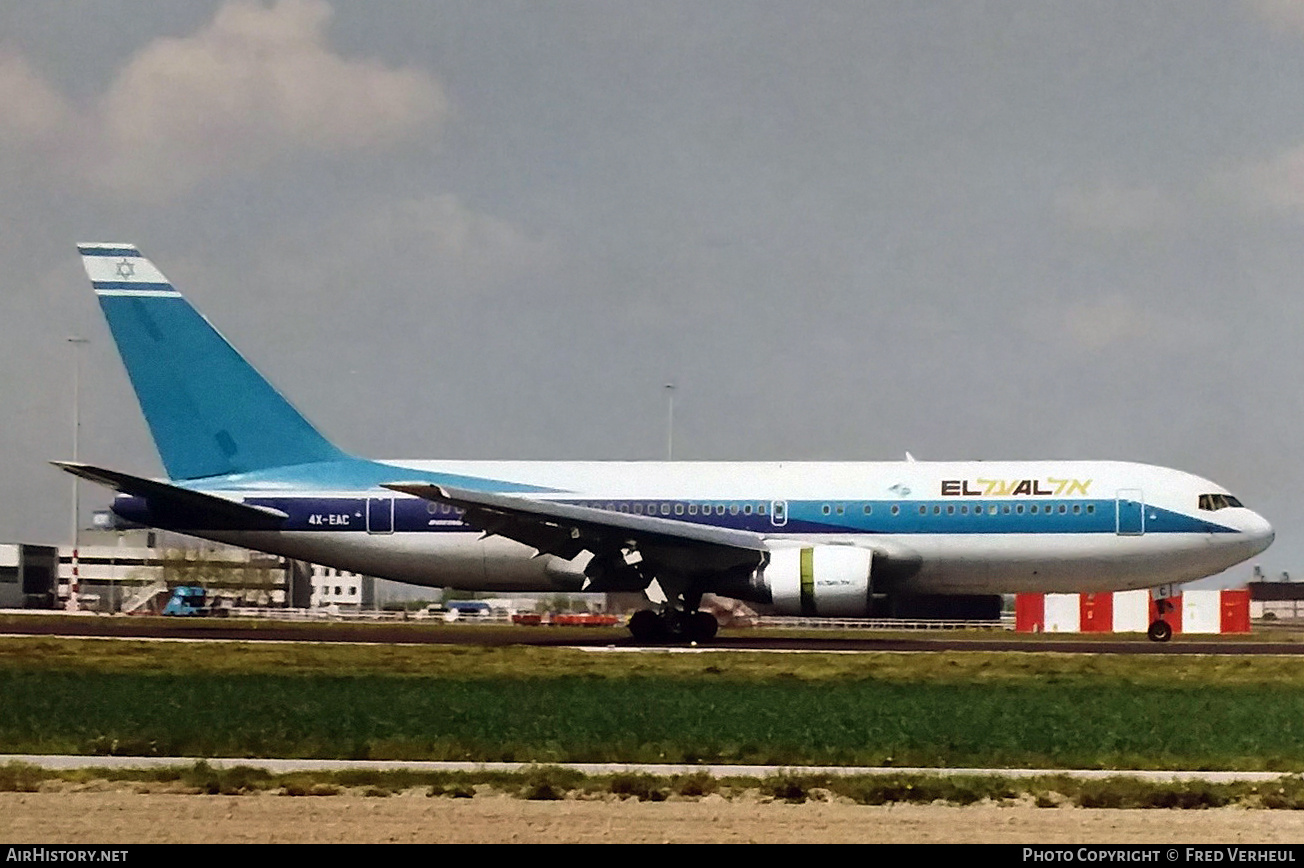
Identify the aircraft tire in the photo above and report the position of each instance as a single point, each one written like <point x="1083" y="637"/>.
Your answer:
<point x="1160" y="631"/>
<point x="646" y="626"/>
<point x="702" y="626"/>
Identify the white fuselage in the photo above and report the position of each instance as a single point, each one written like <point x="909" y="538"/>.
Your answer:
<point x="939" y="527"/>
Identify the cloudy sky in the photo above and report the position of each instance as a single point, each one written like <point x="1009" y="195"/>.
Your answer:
<point x="493" y="229"/>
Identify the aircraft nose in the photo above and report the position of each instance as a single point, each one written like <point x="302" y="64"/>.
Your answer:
<point x="1259" y="531"/>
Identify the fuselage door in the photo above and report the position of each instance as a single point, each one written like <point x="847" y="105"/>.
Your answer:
<point x="380" y="515"/>
<point x="778" y="512"/>
<point x="1130" y="512"/>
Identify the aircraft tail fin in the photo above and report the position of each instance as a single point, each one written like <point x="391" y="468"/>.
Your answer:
<point x="209" y="411"/>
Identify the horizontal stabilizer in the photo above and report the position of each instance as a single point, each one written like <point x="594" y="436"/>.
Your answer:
<point x="178" y="503"/>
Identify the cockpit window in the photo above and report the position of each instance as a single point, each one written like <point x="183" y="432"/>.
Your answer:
<point x="1215" y="502"/>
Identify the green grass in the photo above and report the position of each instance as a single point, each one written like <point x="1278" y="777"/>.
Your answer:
<point x="52" y="654"/>
<point x="652" y="720"/>
<point x="557" y="705"/>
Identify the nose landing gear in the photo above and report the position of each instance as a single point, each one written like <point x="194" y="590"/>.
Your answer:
<point x="1160" y="630"/>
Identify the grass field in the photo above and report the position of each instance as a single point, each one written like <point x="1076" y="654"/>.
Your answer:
<point x="554" y="705"/>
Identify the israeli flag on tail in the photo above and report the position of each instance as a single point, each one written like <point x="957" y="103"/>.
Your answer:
<point x="119" y="269"/>
<point x="210" y="413"/>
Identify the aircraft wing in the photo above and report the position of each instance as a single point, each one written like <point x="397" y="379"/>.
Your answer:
<point x="565" y="530"/>
<point x="179" y="507"/>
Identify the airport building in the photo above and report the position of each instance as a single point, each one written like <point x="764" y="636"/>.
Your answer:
<point x="135" y="570"/>
<point x="132" y="570"/>
<point x="28" y="576"/>
<point x="1277" y="601"/>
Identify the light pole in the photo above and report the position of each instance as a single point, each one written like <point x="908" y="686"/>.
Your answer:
<point x="670" y="422"/>
<point x="77" y="344"/>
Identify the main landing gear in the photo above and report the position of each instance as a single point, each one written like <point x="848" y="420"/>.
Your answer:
<point x="678" y="617"/>
<point x="673" y="625"/>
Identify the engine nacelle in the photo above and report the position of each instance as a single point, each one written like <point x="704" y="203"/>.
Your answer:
<point x="825" y="581"/>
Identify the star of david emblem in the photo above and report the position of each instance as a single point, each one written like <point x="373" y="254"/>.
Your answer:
<point x="126" y="270"/>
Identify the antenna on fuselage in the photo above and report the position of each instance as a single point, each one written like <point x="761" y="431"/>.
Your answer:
<point x="910" y="458"/>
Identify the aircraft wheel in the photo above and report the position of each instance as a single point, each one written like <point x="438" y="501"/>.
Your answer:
<point x="1160" y="631"/>
<point x="702" y="626"/>
<point x="646" y="626"/>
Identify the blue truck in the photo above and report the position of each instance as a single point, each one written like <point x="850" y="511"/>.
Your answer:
<point x="188" y="600"/>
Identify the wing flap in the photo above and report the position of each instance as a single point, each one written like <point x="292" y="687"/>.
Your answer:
<point x="565" y="529"/>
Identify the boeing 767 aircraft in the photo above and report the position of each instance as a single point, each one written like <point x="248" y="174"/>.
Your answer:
<point x="801" y="538"/>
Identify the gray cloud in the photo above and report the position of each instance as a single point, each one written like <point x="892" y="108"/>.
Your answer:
<point x="1275" y="184"/>
<point x="433" y="240"/>
<point x="1108" y="320"/>
<point x="257" y="85"/>
<point x="33" y="112"/>
<point x="1284" y="14"/>
<point x="1117" y="209"/>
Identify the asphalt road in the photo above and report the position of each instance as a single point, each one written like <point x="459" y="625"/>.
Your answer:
<point x="499" y="635"/>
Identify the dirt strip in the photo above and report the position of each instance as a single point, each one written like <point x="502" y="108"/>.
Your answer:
<point x="117" y="815"/>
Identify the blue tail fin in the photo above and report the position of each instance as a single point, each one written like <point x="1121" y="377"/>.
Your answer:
<point x="209" y="411"/>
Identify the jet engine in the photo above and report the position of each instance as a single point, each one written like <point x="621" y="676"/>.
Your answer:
<point x="828" y="581"/>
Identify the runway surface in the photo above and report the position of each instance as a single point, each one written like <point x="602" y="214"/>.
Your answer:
<point x="616" y="639"/>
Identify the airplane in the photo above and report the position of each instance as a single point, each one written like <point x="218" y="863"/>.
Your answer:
<point x="819" y="539"/>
